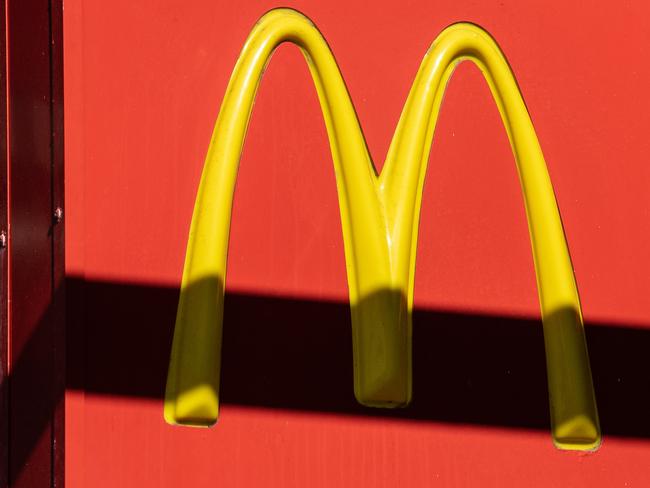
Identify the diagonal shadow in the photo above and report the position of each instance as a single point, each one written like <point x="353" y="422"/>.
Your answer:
<point x="297" y="354"/>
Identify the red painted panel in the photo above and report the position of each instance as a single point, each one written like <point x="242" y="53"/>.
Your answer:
<point x="35" y="373"/>
<point x="143" y="85"/>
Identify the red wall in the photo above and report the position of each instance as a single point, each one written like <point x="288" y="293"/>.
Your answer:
<point x="143" y="84"/>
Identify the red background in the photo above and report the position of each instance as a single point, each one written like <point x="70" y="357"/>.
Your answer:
<point x="143" y="84"/>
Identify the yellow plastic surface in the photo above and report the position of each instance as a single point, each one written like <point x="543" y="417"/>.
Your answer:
<point x="380" y="217"/>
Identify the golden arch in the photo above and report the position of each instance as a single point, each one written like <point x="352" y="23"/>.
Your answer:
<point x="380" y="217"/>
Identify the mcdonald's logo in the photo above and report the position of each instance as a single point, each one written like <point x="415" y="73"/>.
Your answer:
<point x="380" y="218"/>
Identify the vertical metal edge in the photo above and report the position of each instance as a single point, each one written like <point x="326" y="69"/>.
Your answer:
<point x="33" y="317"/>
<point x="58" y="241"/>
<point x="4" y="304"/>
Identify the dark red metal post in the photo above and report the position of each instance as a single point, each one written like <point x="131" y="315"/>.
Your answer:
<point x="35" y="188"/>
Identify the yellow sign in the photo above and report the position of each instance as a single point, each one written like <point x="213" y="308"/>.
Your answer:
<point x="380" y="217"/>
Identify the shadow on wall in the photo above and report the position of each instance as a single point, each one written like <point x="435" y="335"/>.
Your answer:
<point x="297" y="354"/>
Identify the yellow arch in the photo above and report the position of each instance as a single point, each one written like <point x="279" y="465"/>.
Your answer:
<point x="380" y="217"/>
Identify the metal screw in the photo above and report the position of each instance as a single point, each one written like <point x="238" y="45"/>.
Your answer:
<point x="58" y="215"/>
<point x="3" y="239"/>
